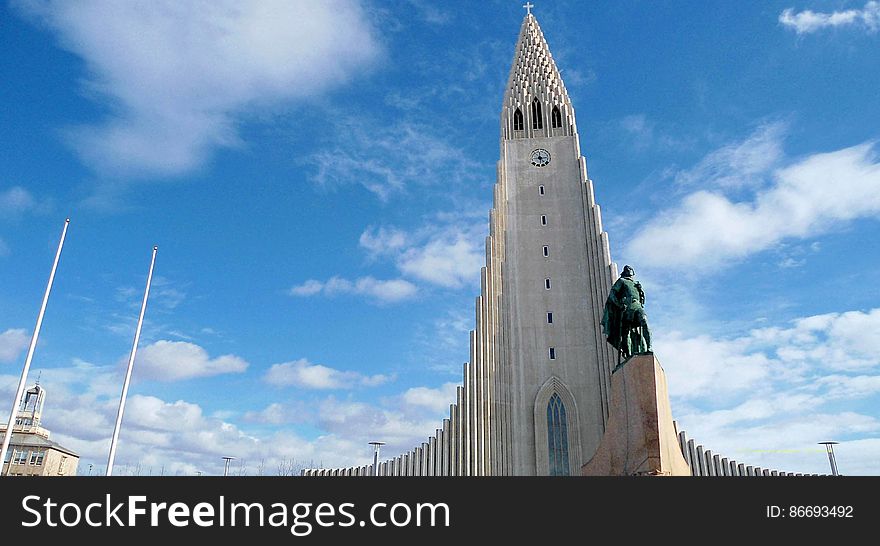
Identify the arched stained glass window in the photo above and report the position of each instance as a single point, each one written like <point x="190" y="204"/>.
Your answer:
<point x="537" y="117"/>
<point x="557" y="437"/>
<point x="556" y="117"/>
<point x="517" y="120"/>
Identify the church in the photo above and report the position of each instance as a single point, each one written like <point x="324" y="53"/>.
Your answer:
<point x="536" y="395"/>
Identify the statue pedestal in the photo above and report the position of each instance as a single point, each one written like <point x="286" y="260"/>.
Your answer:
<point x="640" y="439"/>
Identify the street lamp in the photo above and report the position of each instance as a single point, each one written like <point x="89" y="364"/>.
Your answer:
<point x="226" y="467"/>
<point x="376" y="447"/>
<point x="830" y="449"/>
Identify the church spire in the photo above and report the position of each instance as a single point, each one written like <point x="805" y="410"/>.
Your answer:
<point x="536" y="103"/>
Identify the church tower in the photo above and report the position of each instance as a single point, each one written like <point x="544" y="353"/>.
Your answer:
<point x="534" y="399"/>
<point x="556" y="272"/>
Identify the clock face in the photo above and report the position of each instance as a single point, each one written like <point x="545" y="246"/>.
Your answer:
<point x="540" y="157"/>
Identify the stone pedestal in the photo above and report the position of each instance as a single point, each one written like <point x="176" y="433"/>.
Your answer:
<point x="640" y="439"/>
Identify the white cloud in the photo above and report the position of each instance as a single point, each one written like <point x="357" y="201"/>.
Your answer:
<point x="179" y="437"/>
<point x="839" y="341"/>
<point x="709" y="229"/>
<point x="177" y="77"/>
<point x="845" y="386"/>
<point x="788" y="441"/>
<point x="448" y="253"/>
<point x="642" y="133"/>
<point x="388" y="291"/>
<point x="809" y="347"/>
<point x="15" y="200"/>
<point x="452" y="258"/>
<point x="381" y="241"/>
<point x="387" y="159"/>
<point x="385" y="291"/>
<point x="704" y="367"/>
<point x="740" y="163"/>
<point x="766" y="398"/>
<point x="359" y="423"/>
<point x="308" y="288"/>
<point x="178" y="434"/>
<point x="279" y="414"/>
<point x="164" y="294"/>
<point x="12" y="343"/>
<point x="180" y="360"/>
<point x="437" y="400"/>
<point x="807" y="21"/>
<point x="638" y="125"/>
<point x="149" y="412"/>
<point x="444" y="342"/>
<point x="302" y="373"/>
<point x="430" y="12"/>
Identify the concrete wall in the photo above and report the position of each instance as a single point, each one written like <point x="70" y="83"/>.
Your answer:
<point x="55" y="463"/>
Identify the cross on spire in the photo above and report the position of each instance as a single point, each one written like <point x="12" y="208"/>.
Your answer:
<point x="528" y="6"/>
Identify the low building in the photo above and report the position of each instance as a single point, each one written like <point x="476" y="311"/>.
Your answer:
<point x="31" y="452"/>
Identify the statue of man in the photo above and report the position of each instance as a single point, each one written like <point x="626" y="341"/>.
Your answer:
<point x="624" y="321"/>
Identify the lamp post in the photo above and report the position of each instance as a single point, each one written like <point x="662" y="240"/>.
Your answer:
<point x="376" y="447"/>
<point x="226" y="467"/>
<point x="830" y="449"/>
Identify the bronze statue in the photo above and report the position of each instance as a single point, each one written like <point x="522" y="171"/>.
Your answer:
<point x="624" y="321"/>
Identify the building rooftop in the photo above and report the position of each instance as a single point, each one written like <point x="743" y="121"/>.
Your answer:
<point x="34" y="440"/>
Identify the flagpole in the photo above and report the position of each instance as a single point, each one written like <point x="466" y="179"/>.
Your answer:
<point x="30" y="354"/>
<point x="137" y="335"/>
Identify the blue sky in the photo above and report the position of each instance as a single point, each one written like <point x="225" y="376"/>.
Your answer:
<point x="318" y="176"/>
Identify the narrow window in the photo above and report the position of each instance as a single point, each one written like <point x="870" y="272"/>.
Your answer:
<point x="557" y="437"/>
<point x="552" y="353"/>
<point x="543" y="220"/>
<point x="547" y="283"/>
<point x="546" y="251"/>
<point x="556" y="117"/>
<point x="541" y="189"/>
<point x="549" y="318"/>
<point x="517" y="120"/>
<point x="20" y="456"/>
<point x="537" y="118"/>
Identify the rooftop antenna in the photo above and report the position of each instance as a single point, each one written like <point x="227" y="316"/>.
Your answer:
<point x="30" y="354"/>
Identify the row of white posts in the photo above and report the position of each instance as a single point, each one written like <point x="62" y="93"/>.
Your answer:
<point x="30" y="355"/>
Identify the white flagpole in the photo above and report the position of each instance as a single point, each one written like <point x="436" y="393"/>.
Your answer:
<point x="137" y="335"/>
<point x="30" y="354"/>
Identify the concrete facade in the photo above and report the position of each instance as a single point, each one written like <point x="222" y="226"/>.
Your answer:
<point x="552" y="234"/>
<point x="546" y="253"/>
<point x="31" y="452"/>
